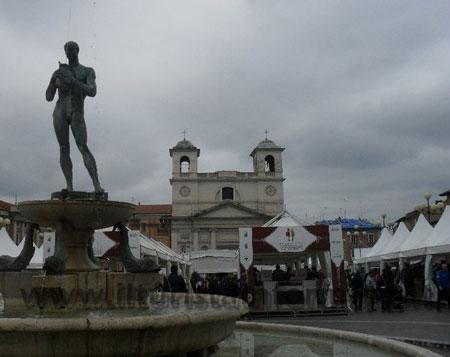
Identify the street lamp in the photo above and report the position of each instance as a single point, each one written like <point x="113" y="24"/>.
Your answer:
<point x="356" y="227"/>
<point x="427" y="196"/>
<point x="383" y="217"/>
<point x="4" y="221"/>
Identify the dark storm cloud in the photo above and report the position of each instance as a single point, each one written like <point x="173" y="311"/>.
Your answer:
<point x="356" y="92"/>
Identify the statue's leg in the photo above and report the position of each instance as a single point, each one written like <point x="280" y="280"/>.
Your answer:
<point x="61" y="125"/>
<point x="80" y="134"/>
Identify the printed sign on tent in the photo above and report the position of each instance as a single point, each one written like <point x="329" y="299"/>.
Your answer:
<point x="336" y="244"/>
<point x="245" y="247"/>
<point x="290" y="239"/>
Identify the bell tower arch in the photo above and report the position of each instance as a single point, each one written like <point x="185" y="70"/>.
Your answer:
<point x="184" y="159"/>
<point x="267" y="159"/>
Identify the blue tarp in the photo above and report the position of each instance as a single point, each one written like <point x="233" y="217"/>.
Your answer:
<point x="350" y="223"/>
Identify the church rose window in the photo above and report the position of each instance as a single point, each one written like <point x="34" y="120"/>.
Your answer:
<point x="227" y="193"/>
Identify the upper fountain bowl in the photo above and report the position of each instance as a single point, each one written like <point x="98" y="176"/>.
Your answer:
<point x="79" y="214"/>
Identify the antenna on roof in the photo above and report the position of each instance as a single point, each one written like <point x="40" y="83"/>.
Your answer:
<point x="184" y="134"/>
<point x="266" y="132"/>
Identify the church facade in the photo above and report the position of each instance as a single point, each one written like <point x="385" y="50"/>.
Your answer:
<point x="209" y="207"/>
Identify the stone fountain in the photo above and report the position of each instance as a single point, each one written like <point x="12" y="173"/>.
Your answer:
<point x="74" y="308"/>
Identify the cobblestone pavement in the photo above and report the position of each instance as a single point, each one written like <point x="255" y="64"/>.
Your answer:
<point x="417" y="322"/>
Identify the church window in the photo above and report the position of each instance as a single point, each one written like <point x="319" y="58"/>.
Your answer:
<point x="227" y="193"/>
<point x="269" y="164"/>
<point x="184" y="165"/>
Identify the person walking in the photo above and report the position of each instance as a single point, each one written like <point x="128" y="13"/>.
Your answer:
<point x="371" y="289"/>
<point x="176" y="282"/>
<point x="357" y="285"/>
<point x="278" y="274"/>
<point x="443" y="285"/>
<point x="387" y="288"/>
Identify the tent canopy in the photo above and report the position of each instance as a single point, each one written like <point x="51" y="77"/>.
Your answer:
<point x="284" y="219"/>
<point x="422" y="240"/>
<point x="392" y="248"/>
<point x="385" y="239"/>
<point x="106" y="241"/>
<point x="415" y="245"/>
<point x="439" y="239"/>
<point x="37" y="262"/>
<point x="7" y="245"/>
<point x="213" y="261"/>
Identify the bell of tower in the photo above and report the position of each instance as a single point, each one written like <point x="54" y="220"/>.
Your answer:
<point x="267" y="159"/>
<point x="184" y="158"/>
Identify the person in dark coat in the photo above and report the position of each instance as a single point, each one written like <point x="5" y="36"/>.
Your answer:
<point x="278" y="274"/>
<point x="443" y="284"/>
<point x="357" y="285"/>
<point x="176" y="282"/>
<point x="387" y="288"/>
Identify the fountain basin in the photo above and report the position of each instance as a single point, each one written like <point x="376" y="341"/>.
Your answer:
<point x="281" y="340"/>
<point x="75" y="221"/>
<point x="78" y="214"/>
<point x="172" y="324"/>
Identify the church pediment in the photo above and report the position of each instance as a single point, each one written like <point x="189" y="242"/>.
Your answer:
<point x="229" y="210"/>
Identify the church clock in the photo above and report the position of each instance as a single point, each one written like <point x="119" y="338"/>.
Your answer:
<point x="271" y="190"/>
<point x="185" y="191"/>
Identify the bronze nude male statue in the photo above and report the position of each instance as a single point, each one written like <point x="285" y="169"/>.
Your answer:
<point x="74" y="82"/>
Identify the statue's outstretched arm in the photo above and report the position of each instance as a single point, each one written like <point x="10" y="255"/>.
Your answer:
<point x="51" y="89"/>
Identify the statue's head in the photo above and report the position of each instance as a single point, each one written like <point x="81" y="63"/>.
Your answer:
<point x="71" y="48"/>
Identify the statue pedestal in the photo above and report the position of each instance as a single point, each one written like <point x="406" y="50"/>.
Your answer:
<point x="79" y="195"/>
<point x="77" y="244"/>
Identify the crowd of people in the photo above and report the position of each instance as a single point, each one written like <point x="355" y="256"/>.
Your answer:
<point x="220" y="284"/>
<point x="301" y="274"/>
<point x="389" y="287"/>
<point x="376" y="287"/>
<point x="386" y="288"/>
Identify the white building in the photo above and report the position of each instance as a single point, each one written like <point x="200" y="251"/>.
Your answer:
<point x="208" y="208"/>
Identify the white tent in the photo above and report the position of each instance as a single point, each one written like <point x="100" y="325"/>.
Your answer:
<point x="415" y="245"/>
<point x="380" y="245"/>
<point x="284" y="219"/>
<point x="392" y="248"/>
<point x="102" y="243"/>
<point x="438" y="241"/>
<point x="37" y="262"/>
<point x="213" y="261"/>
<point x="7" y="245"/>
<point x="139" y="245"/>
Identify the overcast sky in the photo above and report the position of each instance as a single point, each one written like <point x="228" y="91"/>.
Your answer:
<point x="358" y="92"/>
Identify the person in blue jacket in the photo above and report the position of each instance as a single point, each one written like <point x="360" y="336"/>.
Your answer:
<point x="443" y="285"/>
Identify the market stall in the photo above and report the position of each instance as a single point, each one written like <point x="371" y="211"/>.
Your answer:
<point x="311" y="273"/>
